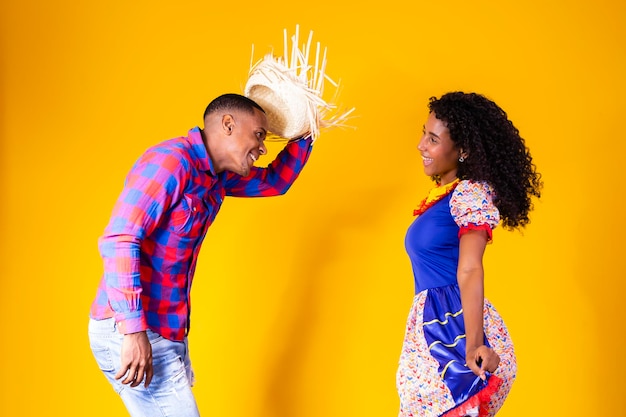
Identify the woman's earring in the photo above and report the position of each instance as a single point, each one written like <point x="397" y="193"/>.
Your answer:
<point x="461" y="159"/>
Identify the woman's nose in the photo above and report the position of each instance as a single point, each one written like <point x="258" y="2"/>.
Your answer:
<point x="420" y="144"/>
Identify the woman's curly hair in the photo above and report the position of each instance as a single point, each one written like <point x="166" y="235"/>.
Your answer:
<point x="495" y="152"/>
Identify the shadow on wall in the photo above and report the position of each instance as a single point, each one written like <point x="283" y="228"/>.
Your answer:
<point x="300" y="317"/>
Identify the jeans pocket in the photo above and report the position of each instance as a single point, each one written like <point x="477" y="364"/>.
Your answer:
<point x="153" y="337"/>
<point x="169" y="371"/>
<point x="103" y="358"/>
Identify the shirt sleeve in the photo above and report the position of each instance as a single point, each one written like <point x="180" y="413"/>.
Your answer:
<point x="472" y="207"/>
<point x="274" y="180"/>
<point x="154" y="182"/>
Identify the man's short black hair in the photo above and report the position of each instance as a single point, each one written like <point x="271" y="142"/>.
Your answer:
<point x="232" y="102"/>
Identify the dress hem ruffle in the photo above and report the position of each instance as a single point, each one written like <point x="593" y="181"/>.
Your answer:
<point x="480" y="399"/>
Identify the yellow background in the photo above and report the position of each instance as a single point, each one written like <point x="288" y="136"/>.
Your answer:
<point x="300" y="301"/>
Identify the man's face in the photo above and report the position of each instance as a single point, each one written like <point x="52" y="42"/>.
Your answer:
<point x="245" y="144"/>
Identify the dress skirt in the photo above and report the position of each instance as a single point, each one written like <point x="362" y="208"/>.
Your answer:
<point x="432" y="378"/>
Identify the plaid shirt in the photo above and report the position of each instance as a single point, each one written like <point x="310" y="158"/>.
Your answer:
<point x="150" y="246"/>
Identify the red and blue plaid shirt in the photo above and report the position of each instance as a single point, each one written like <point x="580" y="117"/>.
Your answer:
<point x="150" y="246"/>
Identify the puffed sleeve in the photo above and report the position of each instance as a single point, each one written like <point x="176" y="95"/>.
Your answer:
<point x="472" y="208"/>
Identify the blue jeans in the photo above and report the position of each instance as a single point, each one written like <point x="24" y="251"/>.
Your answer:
<point x="169" y="394"/>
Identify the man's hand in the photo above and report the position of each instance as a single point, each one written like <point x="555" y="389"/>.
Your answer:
<point x="136" y="360"/>
<point x="482" y="359"/>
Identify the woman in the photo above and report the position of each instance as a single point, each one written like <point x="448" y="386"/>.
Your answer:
<point x="457" y="357"/>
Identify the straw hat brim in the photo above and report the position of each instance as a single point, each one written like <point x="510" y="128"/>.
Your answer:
<point x="290" y="90"/>
<point x="286" y="106"/>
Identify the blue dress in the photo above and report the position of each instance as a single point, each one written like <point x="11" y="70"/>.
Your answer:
<point x="432" y="378"/>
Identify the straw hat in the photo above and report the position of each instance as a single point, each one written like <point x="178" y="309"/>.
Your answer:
<point x="290" y="91"/>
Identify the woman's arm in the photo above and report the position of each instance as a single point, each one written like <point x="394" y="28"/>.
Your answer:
<point x="470" y="275"/>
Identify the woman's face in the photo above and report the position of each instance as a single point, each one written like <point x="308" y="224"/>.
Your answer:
<point x="439" y="153"/>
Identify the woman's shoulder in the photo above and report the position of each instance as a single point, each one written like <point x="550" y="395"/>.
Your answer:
<point x="469" y="189"/>
<point x="472" y="202"/>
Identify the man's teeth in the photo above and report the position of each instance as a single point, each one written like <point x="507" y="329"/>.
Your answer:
<point x="253" y="158"/>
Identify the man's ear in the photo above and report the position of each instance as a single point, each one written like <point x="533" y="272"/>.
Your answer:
<point x="228" y="123"/>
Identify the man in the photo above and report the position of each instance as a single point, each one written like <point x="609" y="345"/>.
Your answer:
<point x="139" y="320"/>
